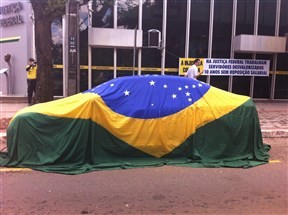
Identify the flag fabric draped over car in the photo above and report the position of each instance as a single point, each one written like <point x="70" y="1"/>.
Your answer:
<point x="138" y="121"/>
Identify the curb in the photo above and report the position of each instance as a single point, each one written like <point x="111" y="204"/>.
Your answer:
<point x="282" y="133"/>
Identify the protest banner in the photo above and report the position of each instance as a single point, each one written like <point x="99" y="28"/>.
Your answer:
<point x="185" y="63"/>
<point x="236" y="67"/>
<point x="227" y="67"/>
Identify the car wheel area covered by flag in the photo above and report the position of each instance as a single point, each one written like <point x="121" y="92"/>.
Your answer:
<point x="138" y="121"/>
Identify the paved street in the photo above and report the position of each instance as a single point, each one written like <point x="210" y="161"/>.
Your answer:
<point x="158" y="190"/>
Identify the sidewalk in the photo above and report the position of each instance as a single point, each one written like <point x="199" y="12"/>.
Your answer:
<point x="273" y="117"/>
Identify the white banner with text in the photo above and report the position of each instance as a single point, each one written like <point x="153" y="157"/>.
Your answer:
<point x="236" y="67"/>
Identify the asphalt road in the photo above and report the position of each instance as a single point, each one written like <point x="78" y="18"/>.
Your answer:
<point x="160" y="190"/>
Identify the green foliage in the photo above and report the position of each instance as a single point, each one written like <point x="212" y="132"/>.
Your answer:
<point x="103" y="2"/>
<point x="56" y="7"/>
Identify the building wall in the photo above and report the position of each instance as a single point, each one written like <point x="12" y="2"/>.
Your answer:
<point x="15" y="22"/>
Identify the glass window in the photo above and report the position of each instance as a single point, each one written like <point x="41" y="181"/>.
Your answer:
<point x="151" y="58"/>
<point x="101" y="57"/>
<point x="83" y="46"/>
<point x="127" y="12"/>
<point x="125" y="58"/>
<point x="222" y="29"/>
<point x="83" y="80"/>
<point x="83" y="17"/>
<point x="199" y="28"/>
<point x="172" y="73"/>
<point x="202" y="78"/>
<point x="262" y="85"/>
<point x="58" y="82"/>
<point x="283" y="18"/>
<point x="152" y="19"/>
<point x="267" y="17"/>
<point x="281" y="86"/>
<point x="101" y="76"/>
<point x="219" y="82"/>
<point x="122" y="73"/>
<point x="241" y="85"/>
<point x="176" y="31"/>
<point x="221" y="44"/>
<point x="57" y="55"/>
<point x="150" y="72"/>
<point x="281" y="91"/>
<point x="57" y="41"/>
<point x="245" y="17"/>
<point x="102" y="13"/>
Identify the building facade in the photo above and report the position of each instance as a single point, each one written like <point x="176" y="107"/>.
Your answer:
<point x="202" y="29"/>
<point x="16" y="40"/>
<point x="116" y="40"/>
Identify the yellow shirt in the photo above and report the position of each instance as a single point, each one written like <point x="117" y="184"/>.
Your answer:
<point x="32" y="73"/>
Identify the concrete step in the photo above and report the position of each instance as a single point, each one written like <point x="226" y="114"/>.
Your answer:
<point x="13" y="99"/>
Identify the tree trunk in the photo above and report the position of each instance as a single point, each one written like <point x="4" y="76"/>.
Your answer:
<point x="43" y="45"/>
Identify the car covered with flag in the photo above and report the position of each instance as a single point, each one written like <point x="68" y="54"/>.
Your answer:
<point x="138" y="121"/>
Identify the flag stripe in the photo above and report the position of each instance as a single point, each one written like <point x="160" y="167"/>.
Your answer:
<point x="93" y="147"/>
<point x="156" y="137"/>
<point x="234" y="137"/>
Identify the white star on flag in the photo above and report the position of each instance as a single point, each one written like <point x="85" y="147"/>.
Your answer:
<point x="165" y="86"/>
<point x="187" y="94"/>
<point x="179" y="88"/>
<point x="186" y="87"/>
<point x="111" y="85"/>
<point x="152" y="83"/>
<point x="200" y="85"/>
<point x="174" y="96"/>
<point x="126" y="93"/>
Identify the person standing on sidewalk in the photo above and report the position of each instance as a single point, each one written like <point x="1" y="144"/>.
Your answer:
<point x="193" y="70"/>
<point x="31" y="70"/>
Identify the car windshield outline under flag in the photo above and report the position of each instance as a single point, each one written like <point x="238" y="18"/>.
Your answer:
<point x="150" y="96"/>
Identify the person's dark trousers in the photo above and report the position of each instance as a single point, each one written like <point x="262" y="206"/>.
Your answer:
<point x="31" y="87"/>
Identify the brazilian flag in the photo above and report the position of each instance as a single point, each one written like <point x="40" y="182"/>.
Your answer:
<point x="138" y="121"/>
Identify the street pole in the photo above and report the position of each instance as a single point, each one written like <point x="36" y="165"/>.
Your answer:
<point x="72" y="67"/>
